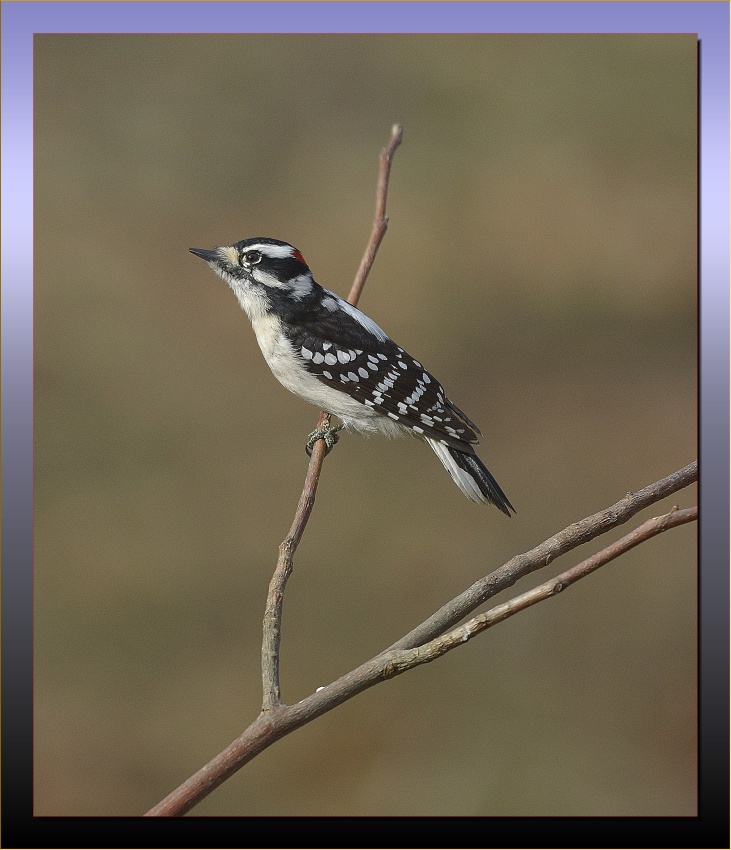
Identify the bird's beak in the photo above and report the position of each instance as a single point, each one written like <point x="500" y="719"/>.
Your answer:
<point x="205" y="254"/>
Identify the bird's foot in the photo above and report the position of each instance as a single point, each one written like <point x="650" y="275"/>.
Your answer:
<point x="329" y="435"/>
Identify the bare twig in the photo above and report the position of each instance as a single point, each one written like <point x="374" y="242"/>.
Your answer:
<point x="521" y="565"/>
<point x="275" y="597"/>
<point x="380" y="220"/>
<point x="407" y="653"/>
<point x="408" y="658"/>
<point x="273" y="611"/>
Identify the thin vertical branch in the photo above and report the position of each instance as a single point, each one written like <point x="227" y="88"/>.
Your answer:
<point x="272" y="696"/>
<point x="380" y="220"/>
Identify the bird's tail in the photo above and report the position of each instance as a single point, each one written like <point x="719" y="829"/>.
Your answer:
<point x="471" y="475"/>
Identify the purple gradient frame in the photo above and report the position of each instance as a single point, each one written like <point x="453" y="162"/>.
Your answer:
<point x="710" y="20"/>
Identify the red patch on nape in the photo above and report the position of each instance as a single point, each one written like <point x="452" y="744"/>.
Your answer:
<point x="296" y="254"/>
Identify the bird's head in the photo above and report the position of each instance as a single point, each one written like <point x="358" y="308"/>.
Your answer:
<point x="260" y="262"/>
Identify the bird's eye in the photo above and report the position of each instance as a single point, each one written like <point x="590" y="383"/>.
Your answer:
<point x="252" y="257"/>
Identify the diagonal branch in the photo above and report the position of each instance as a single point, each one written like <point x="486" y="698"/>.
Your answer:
<point x="409" y="652"/>
<point x="272" y="698"/>
<point x="540" y="556"/>
<point x="408" y="658"/>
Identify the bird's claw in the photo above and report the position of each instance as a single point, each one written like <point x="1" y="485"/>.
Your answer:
<point x="329" y="435"/>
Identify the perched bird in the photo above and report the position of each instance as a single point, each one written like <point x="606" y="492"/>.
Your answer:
<point x="331" y="354"/>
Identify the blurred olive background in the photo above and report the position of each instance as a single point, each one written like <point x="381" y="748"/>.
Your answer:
<point x="540" y="259"/>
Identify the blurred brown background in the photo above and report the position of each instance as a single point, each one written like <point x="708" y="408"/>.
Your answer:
<point x="541" y="260"/>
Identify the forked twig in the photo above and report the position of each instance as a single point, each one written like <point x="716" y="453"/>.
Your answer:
<point x="559" y="544"/>
<point x="270" y="726"/>
<point x="408" y="658"/>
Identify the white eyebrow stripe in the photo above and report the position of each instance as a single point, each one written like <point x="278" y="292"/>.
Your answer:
<point x="279" y="252"/>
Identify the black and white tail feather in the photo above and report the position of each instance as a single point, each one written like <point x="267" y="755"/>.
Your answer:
<point x="471" y="475"/>
<point x="331" y="354"/>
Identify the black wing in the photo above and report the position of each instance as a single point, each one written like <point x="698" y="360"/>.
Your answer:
<point x="346" y="354"/>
